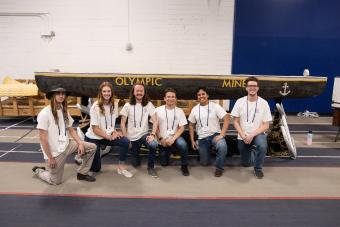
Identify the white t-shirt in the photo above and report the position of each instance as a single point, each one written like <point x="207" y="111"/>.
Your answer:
<point x="105" y="122"/>
<point x="137" y="119"/>
<point x="255" y="119"/>
<point x="206" y="127"/>
<point x="58" y="137"/>
<point x="169" y="120"/>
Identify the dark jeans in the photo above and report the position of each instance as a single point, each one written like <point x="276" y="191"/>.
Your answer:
<point x="204" y="149"/>
<point x="122" y="143"/>
<point x="179" y="144"/>
<point x="254" y="153"/>
<point x="136" y="148"/>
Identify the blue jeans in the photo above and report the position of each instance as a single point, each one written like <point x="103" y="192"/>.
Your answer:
<point x="254" y="153"/>
<point x="179" y="144"/>
<point x="122" y="143"/>
<point x="136" y="148"/>
<point x="204" y="149"/>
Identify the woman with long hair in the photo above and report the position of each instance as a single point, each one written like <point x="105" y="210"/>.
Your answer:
<point x="102" y="129"/>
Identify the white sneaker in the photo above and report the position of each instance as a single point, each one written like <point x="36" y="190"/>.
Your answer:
<point x="78" y="159"/>
<point x="125" y="173"/>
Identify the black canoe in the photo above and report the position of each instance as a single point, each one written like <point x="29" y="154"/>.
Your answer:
<point x="219" y="87"/>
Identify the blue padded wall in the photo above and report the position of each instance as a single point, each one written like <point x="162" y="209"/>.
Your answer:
<point x="283" y="37"/>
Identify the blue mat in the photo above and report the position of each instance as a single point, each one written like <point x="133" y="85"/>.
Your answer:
<point x="83" y="211"/>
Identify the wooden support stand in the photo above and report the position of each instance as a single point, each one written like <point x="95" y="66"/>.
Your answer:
<point x="336" y="121"/>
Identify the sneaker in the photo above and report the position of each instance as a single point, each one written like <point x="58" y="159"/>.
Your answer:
<point x="152" y="172"/>
<point x="78" y="160"/>
<point x="218" y="172"/>
<point x="259" y="174"/>
<point x="124" y="172"/>
<point x="185" y="171"/>
<point x="85" y="177"/>
<point x="34" y="169"/>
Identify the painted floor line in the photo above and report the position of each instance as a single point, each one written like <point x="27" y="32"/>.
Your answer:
<point x="10" y="150"/>
<point x="4" y="129"/>
<point x="177" y="197"/>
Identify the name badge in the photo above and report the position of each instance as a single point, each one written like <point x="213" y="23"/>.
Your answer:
<point x="249" y="127"/>
<point x="62" y="138"/>
<point x="205" y="129"/>
<point x="109" y="131"/>
<point x="170" y="133"/>
<point x="62" y="147"/>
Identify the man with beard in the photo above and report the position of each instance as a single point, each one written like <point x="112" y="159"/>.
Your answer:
<point x="251" y="119"/>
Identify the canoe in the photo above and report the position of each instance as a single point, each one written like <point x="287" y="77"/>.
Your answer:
<point x="218" y="86"/>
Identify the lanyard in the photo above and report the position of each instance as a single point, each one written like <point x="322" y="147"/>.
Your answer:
<point x="173" y="123"/>
<point x="199" y="115"/>
<point x="254" y="111"/>
<point x="134" y="116"/>
<point x="64" y="125"/>
<point x="110" y="116"/>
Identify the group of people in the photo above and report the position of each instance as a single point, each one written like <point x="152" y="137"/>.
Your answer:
<point x="251" y="117"/>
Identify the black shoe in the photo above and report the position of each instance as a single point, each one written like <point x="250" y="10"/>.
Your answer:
<point x="185" y="171"/>
<point x="218" y="172"/>
<point x="85" y="177"/>
<point x="259" y="174"/>
<point x="38" y="167"/>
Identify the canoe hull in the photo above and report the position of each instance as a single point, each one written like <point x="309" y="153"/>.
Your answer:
<point x="219" y="87"/>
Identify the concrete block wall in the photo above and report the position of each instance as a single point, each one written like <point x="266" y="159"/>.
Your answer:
<point x="167" y="36"/>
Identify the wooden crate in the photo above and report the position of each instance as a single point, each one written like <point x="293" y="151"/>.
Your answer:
<point x="32" y="105"/>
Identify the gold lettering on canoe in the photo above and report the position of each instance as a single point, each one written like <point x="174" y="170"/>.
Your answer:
<point x="233" y="83"/>
<point x="119" y="81"/>
<point x="157" y="82"/>
<point x="147" y="81"/>
<point x="131" y="79"/>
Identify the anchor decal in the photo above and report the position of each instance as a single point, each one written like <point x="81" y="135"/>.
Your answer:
<point x="285" y="87"/>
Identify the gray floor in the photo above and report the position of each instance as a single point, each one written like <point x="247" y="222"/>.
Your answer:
<point x="288" y="181"/>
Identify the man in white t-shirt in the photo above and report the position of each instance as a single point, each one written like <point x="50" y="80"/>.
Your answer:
<point x="251" y="120"/>
<point x="55" y="129"/>
<point x="136" y="113"/>
<point x="171" y="121"/>
<point x="206" y="117"/>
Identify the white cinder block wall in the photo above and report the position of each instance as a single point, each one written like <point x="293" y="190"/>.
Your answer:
<point x="167" y="36"/>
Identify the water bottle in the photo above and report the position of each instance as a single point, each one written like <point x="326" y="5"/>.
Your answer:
<point x="309" y="138"/>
